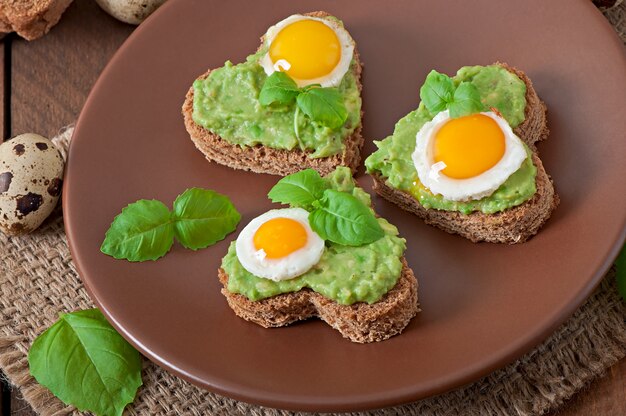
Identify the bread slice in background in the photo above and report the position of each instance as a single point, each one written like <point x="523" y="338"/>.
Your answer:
<point x="263" y="159"/>
<point x="31" y="19"/>
<point x="513" y="225"/>
<point x="359" y="322"/>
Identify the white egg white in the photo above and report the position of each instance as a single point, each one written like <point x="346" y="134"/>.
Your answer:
<point x="331" y="80"/>
<point x="288" y="267"/>
<point x="474" y="188"/>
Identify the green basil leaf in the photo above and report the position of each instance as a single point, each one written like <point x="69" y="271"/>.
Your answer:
<point x="620" y="268"/>
<point x="278" y="88"/>
<point x="466" y="101"/>
<point x="86" y="363"/>
<point x="311" y="86"/>
<point x="143" y="231"/>
<point x="437" y="92"/>
<point x="202" y="217"/>
<point x="343" y="219"/>
<point x="299" y="189"/>
<point x="324" y="105"/>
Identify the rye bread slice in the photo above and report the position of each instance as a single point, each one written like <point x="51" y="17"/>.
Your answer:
<point x="263" y="159"/>
<point x="31" y="19"/>
<point x="512" y="226"/>
<point x="359" y="322"/>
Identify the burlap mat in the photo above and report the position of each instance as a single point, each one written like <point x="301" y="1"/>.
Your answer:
<point x="38" y="280"/>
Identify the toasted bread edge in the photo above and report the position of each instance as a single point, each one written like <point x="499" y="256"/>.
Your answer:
<point x="512" y="226"/>
<point x="359" y="322"/>
<point x="263" y="159"/>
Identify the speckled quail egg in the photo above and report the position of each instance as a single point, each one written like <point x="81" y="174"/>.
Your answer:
<point x="130" y="11"/>
<point x="31" y="172"/>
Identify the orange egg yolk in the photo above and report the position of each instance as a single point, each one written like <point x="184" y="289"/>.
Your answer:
<point x="311" y="48"/>
<point x="280" y="237"/>
<point x="469" y="146"/>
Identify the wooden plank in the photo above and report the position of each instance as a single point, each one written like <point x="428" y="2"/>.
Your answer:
<point x="3" y="87"/>
<point x="606" y="396"/>
<point x="19" y="407"/>
<point x="3" y="391"/>
<point x="52" y="76"/>
<point x="3" y="408"/>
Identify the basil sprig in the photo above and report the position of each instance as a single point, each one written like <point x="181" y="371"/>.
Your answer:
<point x="145" y="229"/>
<point x="343" y="219"/>
<point x="278" y="88"/>
<point x="323" y="105"/>
<point x="336" y="216"/>
<point x="84" y="362"/>
<point x="439" y="93"/>
<point x="299" y="189"/>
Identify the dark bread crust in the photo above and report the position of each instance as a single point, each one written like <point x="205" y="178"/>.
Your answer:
<point x="360" y="322"/>
<point x="29" y="18"/>
<point x="263" y="159"/>
<point x="512" y="226"/>
<point x="534" y="128"/>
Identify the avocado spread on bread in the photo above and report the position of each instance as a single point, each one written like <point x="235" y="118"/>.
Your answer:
<point x="227" y="104"/>
<point x="499" y="89"/>
<point x="345" y="274"/>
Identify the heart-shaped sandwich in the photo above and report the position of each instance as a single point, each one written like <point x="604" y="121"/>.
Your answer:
<point x="294" y="104"/>
<point x="465" y="160"/>
<point x="326" y="256"/>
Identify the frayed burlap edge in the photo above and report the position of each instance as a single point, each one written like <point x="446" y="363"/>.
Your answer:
<point x="616" y="16"/>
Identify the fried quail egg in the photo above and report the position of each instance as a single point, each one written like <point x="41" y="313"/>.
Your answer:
<point x="279" y="244"/>
<point x="309" y="49"/>
<point x="467" y="158"/>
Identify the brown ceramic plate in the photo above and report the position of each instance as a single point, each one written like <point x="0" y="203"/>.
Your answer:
<point x="483" y="305"/>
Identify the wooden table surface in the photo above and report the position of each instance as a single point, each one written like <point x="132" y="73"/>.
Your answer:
<point x="43" y="85"/>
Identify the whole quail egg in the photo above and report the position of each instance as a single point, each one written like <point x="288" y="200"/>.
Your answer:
<point x="130" y="11"/>
<point x="31" y="172"/>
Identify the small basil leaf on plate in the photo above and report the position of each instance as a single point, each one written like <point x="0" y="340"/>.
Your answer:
<point x="620" y="267"/>
<point x="143" y="231"/>
<point x="202" y="217"/>
<point x="84" y="362"/>
<point x="299" y="189"/>
<point x="324" y="105"/>
<point x="437" y="92"/>
<point x="466" y="101"/>
<point x="278" y="88"/>
<point x="343" y="219"/>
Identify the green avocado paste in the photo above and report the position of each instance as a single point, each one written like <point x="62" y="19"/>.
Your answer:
<point x="498" y="88"/>
<point x="227" y="104"/>
<point x="345" y="274"/>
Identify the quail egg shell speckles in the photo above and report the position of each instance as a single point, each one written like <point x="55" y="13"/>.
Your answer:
<point x="130" y="11"/>
<point x="31" y="172"/>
